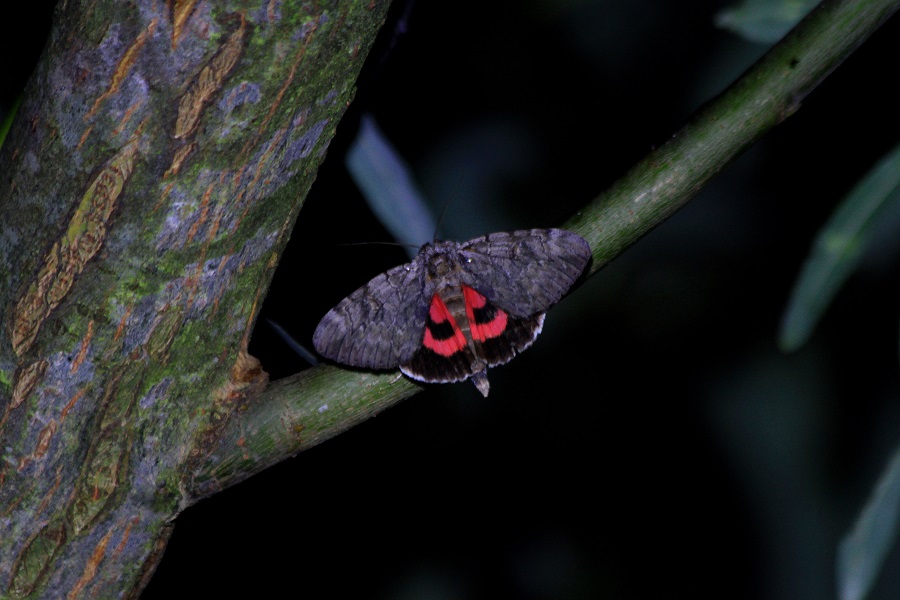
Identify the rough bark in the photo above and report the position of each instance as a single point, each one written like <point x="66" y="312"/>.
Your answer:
<point x="152" y="177"/>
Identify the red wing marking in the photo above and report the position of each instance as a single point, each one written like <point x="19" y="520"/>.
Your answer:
<point x="486" y="321"/>
<point x="442" y="335"/>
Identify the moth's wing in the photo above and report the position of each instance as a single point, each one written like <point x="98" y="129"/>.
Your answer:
<point x="378" y="326"/>
<point x="498" y="336"/>
<point x="524" y="272"/>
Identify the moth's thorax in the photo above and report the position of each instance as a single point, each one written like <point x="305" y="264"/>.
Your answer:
<point x="442" y="263"/>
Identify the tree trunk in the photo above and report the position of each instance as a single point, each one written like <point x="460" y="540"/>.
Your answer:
<point x="153" y="175"/>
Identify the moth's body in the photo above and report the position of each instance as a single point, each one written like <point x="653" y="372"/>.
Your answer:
<point x="456" y="309"/>
<point x="454" y="301"/>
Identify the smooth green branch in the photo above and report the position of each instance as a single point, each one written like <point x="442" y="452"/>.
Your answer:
<point x="293" y="414"/>
<point x="769" y="92"/>
<point x="289" y="416"/>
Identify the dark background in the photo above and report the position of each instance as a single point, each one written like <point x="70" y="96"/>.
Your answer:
<point x="654" y="442"/>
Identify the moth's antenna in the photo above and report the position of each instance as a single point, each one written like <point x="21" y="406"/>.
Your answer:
<point x="440" y="220"/>
<point x="376" y="244"/>
<point x="293" y="344"/>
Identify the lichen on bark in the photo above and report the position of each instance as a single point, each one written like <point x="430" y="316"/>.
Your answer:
<point x="157" y="165"/>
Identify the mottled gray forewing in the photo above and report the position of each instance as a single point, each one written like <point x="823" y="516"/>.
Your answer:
<point x="524" y="272"/>
<point x="378" y="326"/>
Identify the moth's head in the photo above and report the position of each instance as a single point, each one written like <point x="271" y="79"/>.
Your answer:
<point x="440" y="258"/>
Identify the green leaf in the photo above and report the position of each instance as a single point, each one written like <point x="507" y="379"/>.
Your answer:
<point x="763" y="21"/>
<point x="389" y="188"/>
<point x="838" y="247"/>
<point x="862" y="552"/>
<point x="7" y="119"/>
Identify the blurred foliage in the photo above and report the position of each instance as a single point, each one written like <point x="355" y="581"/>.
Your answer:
<point x="763" y="21"/>
<point x="870" y="210"/>
<point x="389" y="188"/>
<point x="863" y="552"/>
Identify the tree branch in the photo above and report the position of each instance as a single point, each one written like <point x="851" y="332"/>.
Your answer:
<point x="764" y="96"/>
<point x="286" y="418"/>
<point x="296" y="413"/>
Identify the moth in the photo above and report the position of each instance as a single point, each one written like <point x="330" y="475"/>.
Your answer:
<point x="457" y="308"/>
